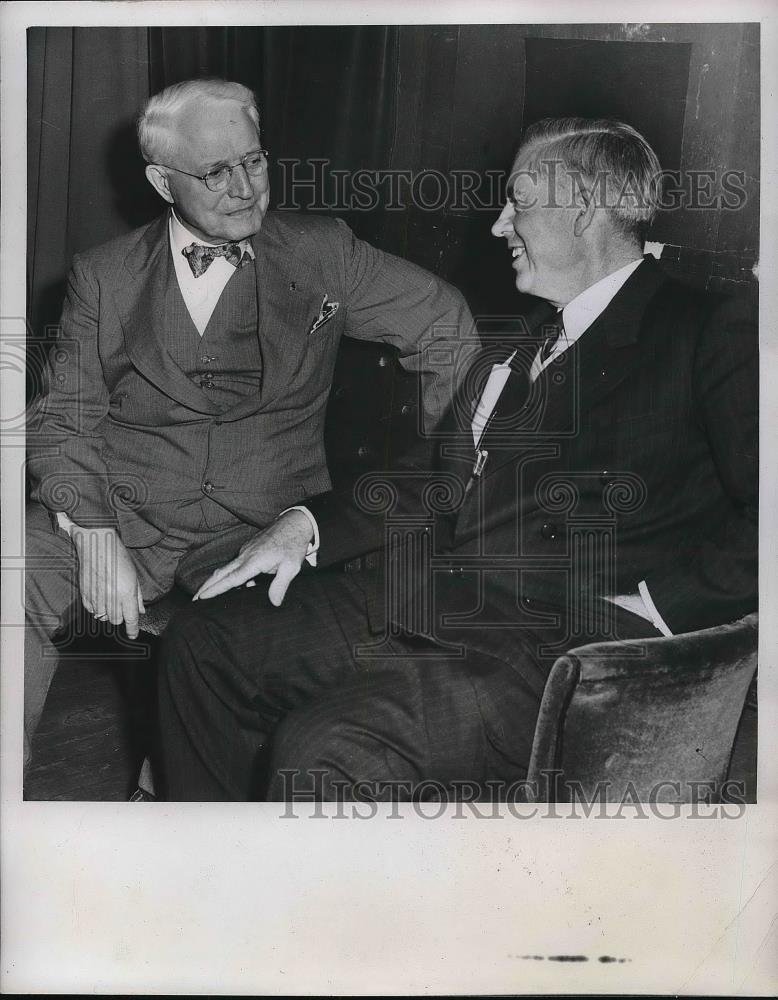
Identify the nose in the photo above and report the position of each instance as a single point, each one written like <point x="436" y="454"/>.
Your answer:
<point x="504" y="224"/>
<point x="240" y="183"/>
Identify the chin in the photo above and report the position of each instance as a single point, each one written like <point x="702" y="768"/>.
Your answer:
<point x="241" y="227"/>
<point x="524" y="285"/>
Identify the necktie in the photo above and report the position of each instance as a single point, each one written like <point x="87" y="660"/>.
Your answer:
<point x="201" y="257"/>
<point x="551" y="332"/>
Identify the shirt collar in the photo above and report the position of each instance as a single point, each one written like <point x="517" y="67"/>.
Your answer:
<point x="579" y="314"/>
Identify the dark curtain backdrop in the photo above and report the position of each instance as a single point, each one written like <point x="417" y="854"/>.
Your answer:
<point x="404" y="98"/>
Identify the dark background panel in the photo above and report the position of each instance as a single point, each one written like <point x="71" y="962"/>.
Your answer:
<point x="643" y="83"/>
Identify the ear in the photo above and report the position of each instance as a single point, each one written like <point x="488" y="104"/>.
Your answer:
<point x="586" y="205"/>
<point x="158" y="178"/>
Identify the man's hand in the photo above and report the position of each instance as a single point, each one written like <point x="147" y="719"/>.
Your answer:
<point x="279" y="549"/>
<point x="107" y="577"/>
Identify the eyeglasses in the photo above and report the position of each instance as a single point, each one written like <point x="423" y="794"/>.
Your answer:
<point x="254" y="163"/>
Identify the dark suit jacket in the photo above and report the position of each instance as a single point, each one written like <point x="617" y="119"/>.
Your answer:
<point x="634" y="457"/>
<point x="107" y="443"/>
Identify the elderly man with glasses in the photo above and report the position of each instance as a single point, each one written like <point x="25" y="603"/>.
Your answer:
<point x="186" y="396"/>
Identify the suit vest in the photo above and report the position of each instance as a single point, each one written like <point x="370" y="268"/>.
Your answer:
<point x="226" y="362"/>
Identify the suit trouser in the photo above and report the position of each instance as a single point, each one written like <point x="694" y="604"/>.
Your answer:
<point x="257" y="701"/>
<point x="52" y="592"/>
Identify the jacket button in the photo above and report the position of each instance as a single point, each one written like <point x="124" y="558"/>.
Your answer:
<point x="406" y="409"/>
<point x="548" y="531"/>
<point x="208" y="487"/>
<point x="206" y="385"/>
<point x="383" y="361"/>
<point x="605" y="477"/>
<point x="456" y="571"/>
<point x="363" y="451"/>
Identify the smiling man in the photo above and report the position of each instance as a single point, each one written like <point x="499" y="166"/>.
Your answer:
<point x="602" y="481"/>
<point x="186" y="396"/>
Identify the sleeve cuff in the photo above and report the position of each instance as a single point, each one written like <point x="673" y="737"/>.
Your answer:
<point x="64" y="523"/>
<point x="657" y="620"/>
<point x="313" y="547"/>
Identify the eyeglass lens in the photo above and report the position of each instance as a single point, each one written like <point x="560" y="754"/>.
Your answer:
<point x="253" y="163"/>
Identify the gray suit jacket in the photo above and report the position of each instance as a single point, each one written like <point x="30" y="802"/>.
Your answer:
<point x="121" y="431"/>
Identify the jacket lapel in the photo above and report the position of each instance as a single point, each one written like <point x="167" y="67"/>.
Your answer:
<point x="591" y="369"/>
<point x="288" y="300"/>
<point x="141" y="303"/>
<point x="610" y="349"/>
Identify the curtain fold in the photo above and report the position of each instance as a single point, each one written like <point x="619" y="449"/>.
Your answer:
<point x="85" y="177"/>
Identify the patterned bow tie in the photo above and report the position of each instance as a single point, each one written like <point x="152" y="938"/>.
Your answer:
<point x="201" y="257"/>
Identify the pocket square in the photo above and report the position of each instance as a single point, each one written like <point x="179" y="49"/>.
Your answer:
<point x="326" y="312"/>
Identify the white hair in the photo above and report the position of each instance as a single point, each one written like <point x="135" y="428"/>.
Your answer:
<point x="607" y="151"/>
<point x="157" y="122"/>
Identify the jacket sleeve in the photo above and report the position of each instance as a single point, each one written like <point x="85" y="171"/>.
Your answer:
<point x="393" y="301"/>
<point x="353" y="521"/>
<point x="422" y="488"/>
<point x="716" y="580"/>
<point x="65" y="444"/>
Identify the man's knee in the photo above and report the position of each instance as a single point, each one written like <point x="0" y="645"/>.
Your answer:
<point x="197" y="649"/>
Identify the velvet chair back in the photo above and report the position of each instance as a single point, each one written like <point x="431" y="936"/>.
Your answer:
<point x="644" y="719"/>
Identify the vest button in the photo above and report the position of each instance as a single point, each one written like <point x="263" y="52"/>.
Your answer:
<point x="548" y="531"/>
<point x="208" y="487"/>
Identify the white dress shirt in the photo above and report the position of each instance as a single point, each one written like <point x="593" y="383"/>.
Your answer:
<point x="200" y="294"/>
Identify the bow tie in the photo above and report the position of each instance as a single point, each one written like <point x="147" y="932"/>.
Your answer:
<point x="201" y="257"/>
